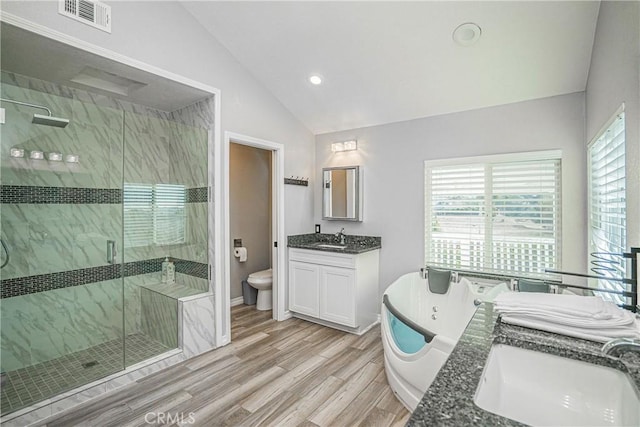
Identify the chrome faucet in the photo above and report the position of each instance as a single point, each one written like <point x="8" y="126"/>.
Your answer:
<point x="340" y="235"/>
<point x="617" y="346"/>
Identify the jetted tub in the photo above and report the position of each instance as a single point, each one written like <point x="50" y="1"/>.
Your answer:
<point x="420" y="329"/>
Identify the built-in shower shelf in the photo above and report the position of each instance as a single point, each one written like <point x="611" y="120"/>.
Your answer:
<point x="173" y="290"/>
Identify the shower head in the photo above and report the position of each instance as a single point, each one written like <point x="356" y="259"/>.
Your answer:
<point x="41" y="119"/>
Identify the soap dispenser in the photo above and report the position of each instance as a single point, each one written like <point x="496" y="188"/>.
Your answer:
<point x="171" y="273"/>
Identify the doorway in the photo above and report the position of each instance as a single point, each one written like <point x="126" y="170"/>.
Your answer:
<point x="224" y="246"/>
<point x="250" y="222"/>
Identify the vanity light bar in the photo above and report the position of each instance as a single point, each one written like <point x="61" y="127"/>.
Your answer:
<point x="344" y="146"/>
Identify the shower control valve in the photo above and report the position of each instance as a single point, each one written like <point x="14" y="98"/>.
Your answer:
<point x="433" y="316"/>
<point x="435" y="308"/>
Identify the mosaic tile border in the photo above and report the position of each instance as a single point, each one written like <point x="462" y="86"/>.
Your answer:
<point x="191" y="268"/>
<point x="65" y="279"/>
<point x="28" y="194"/>
<point x="58" y="195"/>
<point x="197" y="195"/>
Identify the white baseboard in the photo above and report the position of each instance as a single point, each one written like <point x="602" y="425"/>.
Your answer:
<point x="237" y="301"/>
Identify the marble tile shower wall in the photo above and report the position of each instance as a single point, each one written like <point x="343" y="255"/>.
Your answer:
<point x="166" y="152"/>
<point x="64" y="321"/>
<point x="96" y="136"/>
<point x="61" y="236"/>
<point x="48" y="238"/>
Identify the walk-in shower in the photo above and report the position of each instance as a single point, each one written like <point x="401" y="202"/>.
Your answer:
<point x="105" y="174"/>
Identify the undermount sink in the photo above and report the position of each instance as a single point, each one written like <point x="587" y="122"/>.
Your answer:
<point x="329" y="246"/>
<point x="537" y="388"/>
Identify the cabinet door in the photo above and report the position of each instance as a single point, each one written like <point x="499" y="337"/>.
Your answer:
<point x="304" y="282"/>
<point x="337" y="295"/>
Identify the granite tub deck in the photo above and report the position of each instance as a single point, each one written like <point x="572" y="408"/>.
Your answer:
<point x="354" y="244"/>
<point x="449" y="400"/>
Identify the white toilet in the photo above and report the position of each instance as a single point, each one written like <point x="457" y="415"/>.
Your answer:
<point x="262" y="280"/>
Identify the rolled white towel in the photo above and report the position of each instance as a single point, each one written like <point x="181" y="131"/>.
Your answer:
<point x="599" y="335"/>
<point x="625" y="319"/>
<point x="610" y="316"/>
<point x="566" y="305"/>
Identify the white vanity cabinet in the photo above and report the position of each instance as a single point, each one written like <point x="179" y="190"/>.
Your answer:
<point x="335" y="289"/>
<point x="304" y="288"/>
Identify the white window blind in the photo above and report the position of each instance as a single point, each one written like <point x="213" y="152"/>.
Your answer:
<point x="607" y="205"/>
<point x="495" y="215"/>
<point x="154" y="214"/>
<point x="138" y="215"/>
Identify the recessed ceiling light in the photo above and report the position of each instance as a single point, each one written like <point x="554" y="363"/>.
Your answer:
<point x="315" y="79"/>
<point x="467" y="34"/>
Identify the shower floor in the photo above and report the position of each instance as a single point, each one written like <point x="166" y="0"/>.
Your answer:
<point x="26" y="386"/>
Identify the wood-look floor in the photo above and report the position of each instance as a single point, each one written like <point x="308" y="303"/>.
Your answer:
<point x="291" y="373"/>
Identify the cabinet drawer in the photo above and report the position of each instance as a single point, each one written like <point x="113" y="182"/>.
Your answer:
<point x="323" y="258"/>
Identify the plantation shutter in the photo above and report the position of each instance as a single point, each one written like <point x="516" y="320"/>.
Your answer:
<point x="607" y="205"/>
<point x="501" y="214"/>
<point x="525" y="217"/>
<point x="456" y="216"/>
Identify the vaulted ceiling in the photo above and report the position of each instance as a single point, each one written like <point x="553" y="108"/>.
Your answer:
<point x="384" y="62"/>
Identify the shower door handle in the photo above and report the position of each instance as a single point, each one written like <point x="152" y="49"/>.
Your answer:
<point x="111" y="251"/>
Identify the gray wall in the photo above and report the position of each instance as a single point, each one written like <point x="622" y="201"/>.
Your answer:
<point x="148" y="32"/>
<point x="393" y="155"/>
<point x="614" y="78"/>
<point x="249" y="210"/>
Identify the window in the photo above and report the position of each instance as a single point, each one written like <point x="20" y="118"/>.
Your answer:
<point x="607" y="205"/>
<point x="495" y="213"/>
<point x="154" y="214"/>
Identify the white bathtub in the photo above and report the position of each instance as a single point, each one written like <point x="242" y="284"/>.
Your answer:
<point x="411" y="363"/>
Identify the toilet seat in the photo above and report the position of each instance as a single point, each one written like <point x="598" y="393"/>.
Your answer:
<point x="261" y="277"/>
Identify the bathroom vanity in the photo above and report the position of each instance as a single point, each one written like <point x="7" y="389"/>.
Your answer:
<point x="455" y="396"/>
<point x="335" y="284"/>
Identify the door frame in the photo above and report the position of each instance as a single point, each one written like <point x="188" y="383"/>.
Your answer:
<point x="222" y="284"/>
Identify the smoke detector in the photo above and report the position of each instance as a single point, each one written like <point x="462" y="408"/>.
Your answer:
<point x="467" y="34"/>
<point x="90" y="12"/>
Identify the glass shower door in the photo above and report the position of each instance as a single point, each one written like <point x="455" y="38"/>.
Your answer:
<point x="61" y="302"/>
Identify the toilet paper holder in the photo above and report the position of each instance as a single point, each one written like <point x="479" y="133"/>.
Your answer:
<point x="240" y="253"/>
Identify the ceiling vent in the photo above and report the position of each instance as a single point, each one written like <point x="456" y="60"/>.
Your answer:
<point x="90" y="12"/>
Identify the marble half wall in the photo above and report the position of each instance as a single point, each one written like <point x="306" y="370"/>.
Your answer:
<point x="197" y="325"/>
<point x="159" y="317"/>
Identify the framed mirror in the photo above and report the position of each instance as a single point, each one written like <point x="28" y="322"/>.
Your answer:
<point x="342" y="193"/>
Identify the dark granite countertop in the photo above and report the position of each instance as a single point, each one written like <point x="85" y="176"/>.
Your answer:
<point x="449" y="399"/>
<point x="353" y="244"/>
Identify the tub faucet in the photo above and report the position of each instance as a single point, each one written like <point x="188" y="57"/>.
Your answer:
<point x="617" y="346"/>
<point x="340" y="235"/>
